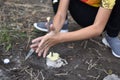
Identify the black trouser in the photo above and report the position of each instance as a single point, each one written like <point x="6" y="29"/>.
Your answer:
<point x="85" y="15"/>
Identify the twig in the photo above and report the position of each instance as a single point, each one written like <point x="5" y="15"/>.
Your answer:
<point x="96" y="78"/>
<point x="61" y="74"/>
<point x="105" y="71"/>
<point x="30" y="73"/>
<point x="85" y="44"/>
<point x="96" y="42"/>
<point x="23" y="69"/>
<point x="98" y="52"/>
<point x="91" y="65"/>
<point x="29" y="39"/>
<point x="76" y="66"/>
<point x="36" y="78"/>
<point x="43" y="78"/>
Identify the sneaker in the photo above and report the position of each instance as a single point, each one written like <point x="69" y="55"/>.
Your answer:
<point x="113" y="43"/>
<point x="42" y="26"/>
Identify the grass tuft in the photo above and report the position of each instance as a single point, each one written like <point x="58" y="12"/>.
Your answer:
<point x="9" y="37"/>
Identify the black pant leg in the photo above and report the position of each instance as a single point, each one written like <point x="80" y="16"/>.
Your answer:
<point x="113" y="26"/>
<point x="82" y="13"/>
<point x="55" y="6"/>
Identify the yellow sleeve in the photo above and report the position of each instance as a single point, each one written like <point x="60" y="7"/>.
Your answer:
<point x="108" y="4"/>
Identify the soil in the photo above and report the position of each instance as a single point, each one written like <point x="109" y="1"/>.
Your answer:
<point x="87" y="59"/>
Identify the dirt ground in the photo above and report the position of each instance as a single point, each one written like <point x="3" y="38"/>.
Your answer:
<point x="87" y="59"/>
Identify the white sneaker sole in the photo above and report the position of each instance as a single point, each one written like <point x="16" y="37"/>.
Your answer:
<point x="107" y="44"/>
<point x="45" y="30"/>
<point x="41" y="29"/>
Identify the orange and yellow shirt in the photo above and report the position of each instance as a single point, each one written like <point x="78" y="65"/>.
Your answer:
<point x="108" y="4"/>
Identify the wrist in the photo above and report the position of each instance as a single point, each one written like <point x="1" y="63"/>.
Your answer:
<point x="59" y="36"/>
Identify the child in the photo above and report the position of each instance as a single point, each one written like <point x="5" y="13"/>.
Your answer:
<point x="94" y="15"/>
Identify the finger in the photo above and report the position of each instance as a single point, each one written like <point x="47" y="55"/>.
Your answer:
<point x="52" y="27"/>
<point x="34" y="45"/>
<point x="34" y="48"/>
<point x="44" y="45"/>
<point x="37" y="39"/>
<point x="40" y="52"/>
<point x="40" y="46"/>
<point x="45" y="52"/>
<point x="46" y="48"/>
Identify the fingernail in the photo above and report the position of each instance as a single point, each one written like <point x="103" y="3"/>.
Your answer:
<point x="36" y="51"/>
<point x="32" y="41"/>
<point x="39" y="54"/>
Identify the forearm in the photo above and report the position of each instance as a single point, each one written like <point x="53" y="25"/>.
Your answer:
<point x="90" y="31"/>
<point x="60" y="16"/>
<point x="58" y="22"/>
<point x="81" y="34"/>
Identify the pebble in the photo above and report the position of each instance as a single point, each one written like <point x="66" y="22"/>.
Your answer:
<point x="6" y="61"/>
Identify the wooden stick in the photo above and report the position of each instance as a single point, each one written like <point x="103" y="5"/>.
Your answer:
<point x="48" y="23"/>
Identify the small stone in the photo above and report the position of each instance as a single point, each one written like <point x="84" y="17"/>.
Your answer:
<point x="6" y="61"/>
